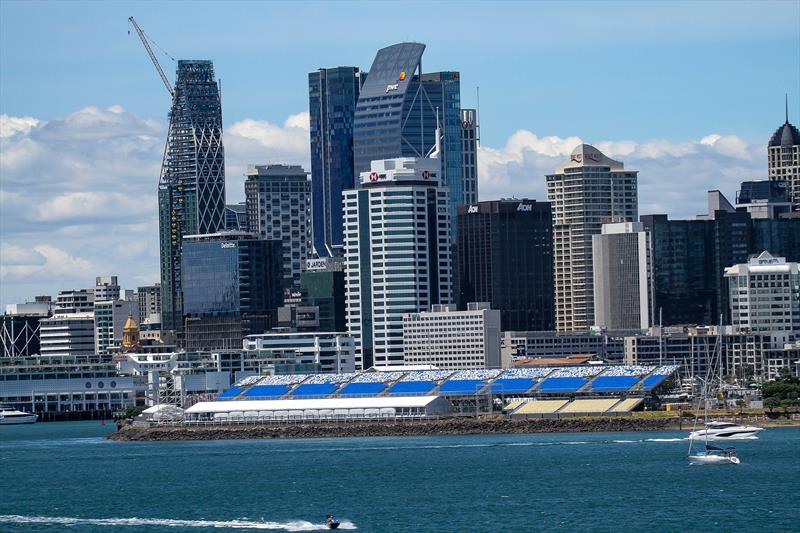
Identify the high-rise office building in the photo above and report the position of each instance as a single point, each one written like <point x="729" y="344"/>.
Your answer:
<point x="784" y="158"/>
<point x="109" y="318"/>
<point x="232" y="287"/>
<point x="397" y="254"/>
<point x="322" y="284"/>
<point x="332" y="97"/>
<point x="587" y="191"/>
<point x="622" y="277"/>
<point x="279" y="208"/>
<point x="149" y="301"/>
<point x="396" y="116"/>
<point x="470" y="136"/>
<point x="74" y="301"/>
<point x="689" y="258"/>
<point x="106" y="288"/>
<point x="505" y="257"/>
<point x="765" y="294"/>
<point x="236" y="217"/>
<point x="764" y="199"/>
<point x="191" y="191"/>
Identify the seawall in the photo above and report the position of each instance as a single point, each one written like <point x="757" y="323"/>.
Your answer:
<point x="451" y="426"/>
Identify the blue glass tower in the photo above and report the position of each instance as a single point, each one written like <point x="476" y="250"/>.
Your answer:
<point x="396" y="115"/>
<point x="332" y="97"/>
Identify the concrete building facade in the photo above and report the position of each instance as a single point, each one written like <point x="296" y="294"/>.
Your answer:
<point x="783" y="153"/>
<point x="765" y="294"/>
<point x="67" y="334"/>
<point x="397" y="254"/>
<point x="586" y="191"/>
<point x="279" y="208"/>
<point x="451" y="339"/>
<point x="622" y="285"/>
<point x="306" y="352"/>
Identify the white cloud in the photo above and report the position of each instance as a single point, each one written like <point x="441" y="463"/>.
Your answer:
<point x="44" y="261"/>
<point x="91" y="206"/>
<point x="10" y="126"/>
<point x="83" y="187"/>
<point x="673" y="176"/>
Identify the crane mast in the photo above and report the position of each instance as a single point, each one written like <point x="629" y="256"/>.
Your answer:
<point x="153" y="58"/>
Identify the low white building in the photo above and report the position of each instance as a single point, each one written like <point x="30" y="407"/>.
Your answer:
<point x="765" y="294"/>
<point x="302" y="351"/>
<point x="451" y="339"/>
<point x="320" y="409"/>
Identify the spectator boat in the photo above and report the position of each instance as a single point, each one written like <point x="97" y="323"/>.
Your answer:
<point x="9" y="415"/>
<point x="710" y="455"/>
<point x="715" y="455"/>
<point x="725" y="431"/>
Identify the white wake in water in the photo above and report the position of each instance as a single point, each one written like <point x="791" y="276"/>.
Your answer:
<point x="293" y="525"/>
<point x="667" y="440"/>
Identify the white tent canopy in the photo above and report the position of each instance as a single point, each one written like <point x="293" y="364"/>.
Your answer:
<point x="429" y="405"/>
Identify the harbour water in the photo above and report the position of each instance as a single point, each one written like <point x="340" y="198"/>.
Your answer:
<point x="60" y="475"/>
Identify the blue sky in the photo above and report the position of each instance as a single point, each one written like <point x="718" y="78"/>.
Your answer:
<point x="621" y="70"/>
<point x="687" y="93"/>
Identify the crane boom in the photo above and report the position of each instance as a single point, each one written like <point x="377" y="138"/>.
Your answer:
<point x="152" y="55"/>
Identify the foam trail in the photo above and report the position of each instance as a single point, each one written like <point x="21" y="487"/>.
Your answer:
<point x="667" y="440"/>
<point x="293" y="525"/>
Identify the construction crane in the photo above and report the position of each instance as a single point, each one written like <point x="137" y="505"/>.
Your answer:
<point x="144" y="39"/>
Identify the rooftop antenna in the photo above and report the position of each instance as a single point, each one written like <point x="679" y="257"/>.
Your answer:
<point x="478" y="115"/>
<point x="786" y="96"/>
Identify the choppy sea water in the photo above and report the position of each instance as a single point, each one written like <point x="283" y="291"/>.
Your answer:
<point x="65" y="476"/>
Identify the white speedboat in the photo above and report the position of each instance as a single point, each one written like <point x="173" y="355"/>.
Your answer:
<point x="725" y="431"/>
<point x="9" y="415"/>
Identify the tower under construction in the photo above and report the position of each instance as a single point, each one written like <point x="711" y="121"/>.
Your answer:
<point x="191" y="191"/>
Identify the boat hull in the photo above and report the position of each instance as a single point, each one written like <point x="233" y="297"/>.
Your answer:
<point x="8" y="421"/>
<point x="713" y="460"/>
<point x="740" y="434"/>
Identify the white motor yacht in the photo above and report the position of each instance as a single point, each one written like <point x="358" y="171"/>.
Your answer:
<point x="725" y="431"/>
<point x="9" y="415"/>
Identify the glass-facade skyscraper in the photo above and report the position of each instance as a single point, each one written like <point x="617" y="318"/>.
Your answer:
<point x="191" y="190"/>
<point x="397" y="111"/>
<point x="332" y="97"/>
<point x="505" y="257"/>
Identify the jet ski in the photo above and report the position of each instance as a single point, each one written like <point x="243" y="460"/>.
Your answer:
<point x="331" y="522"/>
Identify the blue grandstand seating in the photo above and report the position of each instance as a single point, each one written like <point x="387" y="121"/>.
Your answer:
<point x="363" y="389"/>
<point x="512" y="385"/>
<point x="412" y="387"/>
<point x="462" y="386"/>
<point x="562" y="384"/>
<point x="651" y="382"/>
<point x="314" y="390"/>
<point x="230" y="393"/>
<point x="614" y="383"/>
<point x="267" y="391"/>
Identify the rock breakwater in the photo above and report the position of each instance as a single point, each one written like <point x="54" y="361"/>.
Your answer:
<point x="389" y="428"/>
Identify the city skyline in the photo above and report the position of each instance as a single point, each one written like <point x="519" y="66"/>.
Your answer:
<point x="79" y="172"/>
